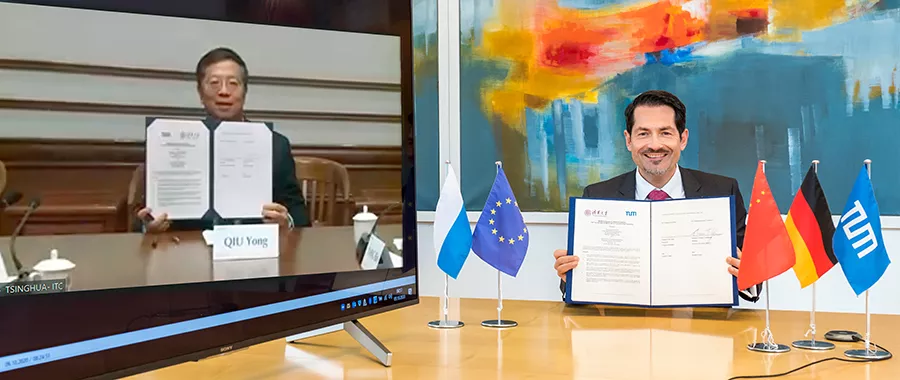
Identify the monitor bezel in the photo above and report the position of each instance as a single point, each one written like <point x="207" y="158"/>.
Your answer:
<point x="400" y="25"/>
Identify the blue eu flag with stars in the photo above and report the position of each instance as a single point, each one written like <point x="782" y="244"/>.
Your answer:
<point x="501" y="237"/>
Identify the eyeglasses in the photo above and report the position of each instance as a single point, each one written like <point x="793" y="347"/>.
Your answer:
<point x="216" y="83"/>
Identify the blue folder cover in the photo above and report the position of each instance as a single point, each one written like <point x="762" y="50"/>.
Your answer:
<point x="570" y="244"/>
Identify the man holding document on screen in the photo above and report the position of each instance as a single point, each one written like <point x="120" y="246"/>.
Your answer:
<point x="661" y="235"/>
<point x="252" y="166"/>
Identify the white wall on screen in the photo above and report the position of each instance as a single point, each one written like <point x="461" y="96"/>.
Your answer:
<point x="65" y="125"/>
<point x="132" y="40"/>
<point x="109" y="39"/>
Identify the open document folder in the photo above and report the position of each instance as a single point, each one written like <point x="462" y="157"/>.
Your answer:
<point x="193" y="169"/>
<point x="662" y="253"/>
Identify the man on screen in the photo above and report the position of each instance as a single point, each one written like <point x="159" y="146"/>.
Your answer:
<point x="655" y="134"/>
<point x="222" y="85"/>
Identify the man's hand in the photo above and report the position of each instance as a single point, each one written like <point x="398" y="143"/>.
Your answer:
<point x="564" y="263"/>
<point x="158" y="224"/>
<point x="275" y="213"/>
<point x="735" y="263"/>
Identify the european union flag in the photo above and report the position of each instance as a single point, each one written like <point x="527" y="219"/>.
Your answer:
<point x="858" y="244"/>
<point x="500" y="237"/>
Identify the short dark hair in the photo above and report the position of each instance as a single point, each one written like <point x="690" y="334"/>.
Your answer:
<point x="654" y="98"/>
<point x="218" y="55"/>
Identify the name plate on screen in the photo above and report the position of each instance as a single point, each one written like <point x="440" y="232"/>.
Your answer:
<point x="373" y="253"/>
<point x="247" y="241"/>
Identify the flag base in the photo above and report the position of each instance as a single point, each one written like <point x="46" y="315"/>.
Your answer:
<point x="870" y="354"/>
<point x="499" y="323"/>
<point x="815" y="345"/>
<point x="448" y="324"/>
<point x="769" y="348"/>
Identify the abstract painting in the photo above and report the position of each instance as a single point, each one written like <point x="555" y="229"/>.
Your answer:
<point x="544" y="84"/>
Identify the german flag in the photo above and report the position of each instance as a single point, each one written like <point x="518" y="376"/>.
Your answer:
<point x="811" y="229"/>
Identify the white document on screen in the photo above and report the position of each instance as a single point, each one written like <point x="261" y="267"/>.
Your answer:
<point x="242" y="171"/>
<point x="177" y="168"/>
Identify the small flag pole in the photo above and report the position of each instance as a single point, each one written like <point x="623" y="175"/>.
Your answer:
<point x="813" y="344"/>
<point x="868" y="353"/>
<point x="769" y="345"/>
<point x="499" y="322"/>
<point x="444" y="322"/>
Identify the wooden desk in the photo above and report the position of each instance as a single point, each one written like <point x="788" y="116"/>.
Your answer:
<point x="553" y="341"/>
<point x="69" y="212"/>
<point x="124" y="260"/>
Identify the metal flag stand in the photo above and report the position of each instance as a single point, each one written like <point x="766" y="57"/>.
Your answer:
<point x="444" y="322"/>
<point x="769" y="346"/>
<point x="813" y="344"/>
<point x="868" y="353"/>
<point x="499" y="322"/>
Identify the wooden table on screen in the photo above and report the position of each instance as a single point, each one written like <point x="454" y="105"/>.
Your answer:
<point x="106" y="261"/>
<point x="68" y="212"/>
<point x="554" y="341"/>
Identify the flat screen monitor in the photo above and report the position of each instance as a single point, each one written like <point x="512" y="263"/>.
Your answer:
<point x="82" y="80"/>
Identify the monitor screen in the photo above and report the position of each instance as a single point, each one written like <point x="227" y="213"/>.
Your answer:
<point x="186" y="178"/>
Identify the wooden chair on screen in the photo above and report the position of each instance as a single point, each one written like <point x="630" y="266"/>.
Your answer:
<point x="322" y="183"/>
<point x="136" y="194"/>
<point x="2" y="177"/>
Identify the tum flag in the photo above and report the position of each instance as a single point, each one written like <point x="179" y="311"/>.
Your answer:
<point x="811" y="230"/>
<point x="858" y="244"/>
<point x="501" y="238"/>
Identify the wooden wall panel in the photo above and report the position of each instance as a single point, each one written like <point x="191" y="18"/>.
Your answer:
<point x="84" y="183"/>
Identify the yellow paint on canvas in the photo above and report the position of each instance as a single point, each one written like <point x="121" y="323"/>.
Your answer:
<point x="509" y="37"/>
<point x="516" y="45"/>
<point x="508" y="99"/>
<point x="807" y="14"/>
<point x="722" y="17"/>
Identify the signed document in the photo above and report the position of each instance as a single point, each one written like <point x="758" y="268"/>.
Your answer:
<point x="191" y="170"/>
<point x="665" y="253"/>
<point x="177" y="168"/>
<point x="243" y="169"/>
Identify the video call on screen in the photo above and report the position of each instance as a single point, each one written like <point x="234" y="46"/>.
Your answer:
<point x="130" y="137"/>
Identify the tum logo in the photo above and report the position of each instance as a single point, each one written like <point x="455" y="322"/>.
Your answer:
<point x="630" y="213"/>
<point x="864" y="229"/>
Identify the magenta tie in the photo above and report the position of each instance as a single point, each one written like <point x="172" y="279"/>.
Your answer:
<point x="657" y="195"/>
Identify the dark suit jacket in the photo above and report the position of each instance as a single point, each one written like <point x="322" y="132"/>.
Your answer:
<point x="285" y="191"/>
<point x="697" y="184"/>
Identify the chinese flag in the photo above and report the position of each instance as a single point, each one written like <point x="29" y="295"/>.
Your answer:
<point x="768" y="250"/>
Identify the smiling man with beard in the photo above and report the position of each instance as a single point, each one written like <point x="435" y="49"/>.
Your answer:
<point x="655" y="134"/>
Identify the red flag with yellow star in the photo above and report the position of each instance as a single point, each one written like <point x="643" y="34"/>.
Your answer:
<point x="767" y="250"/>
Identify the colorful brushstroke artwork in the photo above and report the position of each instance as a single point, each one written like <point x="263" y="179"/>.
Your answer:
<point x="544" y="84"/>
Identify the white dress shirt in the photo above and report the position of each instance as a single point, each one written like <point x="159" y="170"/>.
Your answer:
<point x="675" y="189"/>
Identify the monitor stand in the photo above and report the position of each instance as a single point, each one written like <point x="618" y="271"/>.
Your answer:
<point x="358" y="332"/>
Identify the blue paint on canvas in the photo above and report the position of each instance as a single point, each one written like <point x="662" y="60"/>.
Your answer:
<point x="832" y="96"/>
<point x="427" y="134"/>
